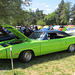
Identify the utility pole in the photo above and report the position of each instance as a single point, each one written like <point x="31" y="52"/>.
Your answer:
<point x="11" y="61"/>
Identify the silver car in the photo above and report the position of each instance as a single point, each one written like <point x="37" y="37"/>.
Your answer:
<point x="71" y="31"/>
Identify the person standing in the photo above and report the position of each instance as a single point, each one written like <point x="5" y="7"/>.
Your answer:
<point x="27" y="31"/>
<point x="51" y="28"/>
<point x="36" y="28"/>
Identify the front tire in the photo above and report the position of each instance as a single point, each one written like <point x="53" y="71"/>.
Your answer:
<point x="71" y="48"/>
<point x="26" y="56"/>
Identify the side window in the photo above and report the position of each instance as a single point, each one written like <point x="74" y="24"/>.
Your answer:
<point x="61" y="35"/>
<point x="52" y="35"/>
<point x="56" y="35"/>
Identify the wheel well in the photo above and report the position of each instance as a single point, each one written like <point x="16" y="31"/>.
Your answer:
<point x="69" y="49"/>
<point x="72" y="44"/>
<point x="69" y="46"/>
<point x="27" y="50"/>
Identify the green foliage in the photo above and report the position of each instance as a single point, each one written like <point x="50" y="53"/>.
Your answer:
<point x="59" y="12"/>
<point x="33" y="17"/>
<point x="39" y="14"/>
<point x="41" y="22"/>
<point x="50" y="19"/>
<point x="73" y="14"/>
<point x="11" y="12"/>
<point x="9" y="9"/>
<point x="65" y="13"/>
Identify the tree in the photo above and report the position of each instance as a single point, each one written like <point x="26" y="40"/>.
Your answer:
<point x="33" y="17"/>
<point x="50" y="19"/>
<point x="73" y="14"/>
<point x="39" y="14"/>
<point x="41" y="22"/>
<point x="59" y="12"/>
<point x="65" y="13"/>
<point x="11" y="11"/>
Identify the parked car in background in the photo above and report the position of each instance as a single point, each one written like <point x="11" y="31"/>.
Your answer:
<point x="56" y="27"/>
<point x="45" y="28"/>
<point x="38" y="43"/>
<point x="71" y="31"/>
<point x="61" y="28"/>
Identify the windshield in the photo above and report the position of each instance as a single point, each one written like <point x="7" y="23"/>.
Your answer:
<point x="37" y="35"/>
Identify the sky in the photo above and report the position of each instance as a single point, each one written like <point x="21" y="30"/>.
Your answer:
<point x="48" y="6"/>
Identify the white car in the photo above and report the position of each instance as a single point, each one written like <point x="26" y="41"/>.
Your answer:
<point x="71" y="31"/>
<point x="56" y="27"/>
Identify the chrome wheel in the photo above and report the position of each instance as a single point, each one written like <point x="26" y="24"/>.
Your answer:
<point x="71" y="48"/>
<point x="28" y="56"/>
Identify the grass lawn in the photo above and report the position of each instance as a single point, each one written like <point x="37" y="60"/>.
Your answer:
<point x="61" y="63"/>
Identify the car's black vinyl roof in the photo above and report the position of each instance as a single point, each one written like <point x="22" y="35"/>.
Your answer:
<point x="52" y="31"/>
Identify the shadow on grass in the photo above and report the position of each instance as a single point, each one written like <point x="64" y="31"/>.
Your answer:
<point x="6" y="64"/>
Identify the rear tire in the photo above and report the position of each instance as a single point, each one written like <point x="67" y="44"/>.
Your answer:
<point x="26" y="56"/>
<point x="71" y="48"/>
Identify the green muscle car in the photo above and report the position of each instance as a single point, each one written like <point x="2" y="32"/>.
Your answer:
<point x="39" y="43"/>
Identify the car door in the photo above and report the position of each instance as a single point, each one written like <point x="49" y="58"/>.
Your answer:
<point x="52" y="45"/>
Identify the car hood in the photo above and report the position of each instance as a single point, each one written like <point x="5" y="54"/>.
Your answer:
<point x="15" y="31"/>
